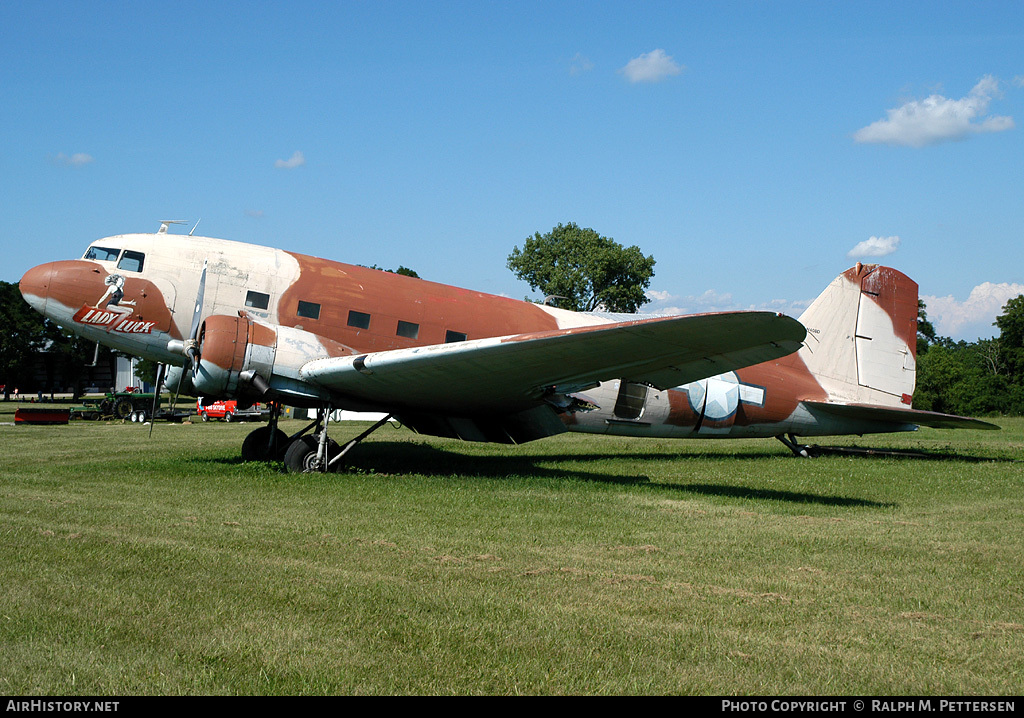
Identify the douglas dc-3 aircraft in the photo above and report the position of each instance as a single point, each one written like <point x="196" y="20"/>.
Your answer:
<point x="252" y="323"/>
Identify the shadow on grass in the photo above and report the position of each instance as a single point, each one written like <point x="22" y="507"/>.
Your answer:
<point x="867" y="452"/>
<point x="410" y="458"/>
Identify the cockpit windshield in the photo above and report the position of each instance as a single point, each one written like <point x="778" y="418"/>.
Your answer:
<point x="131" y="261"/>
<point x="101" y="253"/>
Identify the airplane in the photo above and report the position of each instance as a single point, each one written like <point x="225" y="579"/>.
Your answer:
<point x="241" y="321"/>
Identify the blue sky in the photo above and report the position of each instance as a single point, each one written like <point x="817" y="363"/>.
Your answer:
<point x="756" y="149"/>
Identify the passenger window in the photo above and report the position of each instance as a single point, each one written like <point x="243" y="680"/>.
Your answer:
<point x="257" y="300"/>
<point x="359" y="320"/>
<point x="102" y="254"/>
<point x="408" y="330"/>
<point x="131" y="261"/>
<point x="450" y="336"/>
<point x="309" y="310"/>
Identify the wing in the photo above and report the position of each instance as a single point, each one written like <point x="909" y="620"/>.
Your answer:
<point x="510" y="374"/>
<point x="898" y="415"/>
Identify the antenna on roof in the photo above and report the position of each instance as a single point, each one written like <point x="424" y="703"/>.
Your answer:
<point x="165" y="222"/>
<point x="194" y="228"/>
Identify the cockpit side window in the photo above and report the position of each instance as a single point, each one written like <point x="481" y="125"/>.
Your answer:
<point x="101" y="253"/>
<point x="131" y="261"/>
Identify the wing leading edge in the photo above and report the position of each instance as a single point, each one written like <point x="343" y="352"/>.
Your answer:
<point x="511" y="374"/>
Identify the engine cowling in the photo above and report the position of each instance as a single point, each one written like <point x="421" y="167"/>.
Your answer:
<point x="240" y="357"/>
<point x="178" y="380"/>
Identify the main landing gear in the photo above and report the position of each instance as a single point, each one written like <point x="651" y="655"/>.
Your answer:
<point x="302" y="452"/>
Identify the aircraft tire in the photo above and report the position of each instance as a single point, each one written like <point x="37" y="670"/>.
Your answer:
<point x="300" y="456"/>
<point x="254" y="447"/>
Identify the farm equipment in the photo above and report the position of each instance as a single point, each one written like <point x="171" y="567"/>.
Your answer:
<point x="127" y="404"/>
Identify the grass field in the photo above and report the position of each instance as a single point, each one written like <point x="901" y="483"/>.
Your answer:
<point x="572" y="565"/>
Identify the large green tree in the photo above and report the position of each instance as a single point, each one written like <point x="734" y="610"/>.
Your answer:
<point x="578" y="269"/>
<point x="1011" y="337"/>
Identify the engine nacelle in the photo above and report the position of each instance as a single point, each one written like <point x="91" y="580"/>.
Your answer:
<point x="178" y="380"/>
<point x="242" y="357"/>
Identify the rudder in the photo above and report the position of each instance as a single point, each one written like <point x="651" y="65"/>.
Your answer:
<point x="862" y="337"/>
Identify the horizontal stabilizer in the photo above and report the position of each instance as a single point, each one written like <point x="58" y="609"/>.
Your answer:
<point x="898" y="415"/>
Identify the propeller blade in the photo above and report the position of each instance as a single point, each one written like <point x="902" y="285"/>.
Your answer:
<point x="192" y="343"/>
<point x="197" y="313"/>
<point x="156" y="397"/>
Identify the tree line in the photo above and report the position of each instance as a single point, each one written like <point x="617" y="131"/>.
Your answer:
<point x="979" y="378"/>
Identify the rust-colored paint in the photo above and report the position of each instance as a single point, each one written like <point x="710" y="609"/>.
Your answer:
<point x="223" y="341"/>
<point x="787" y="382"/>
<point x="262" y="335"/>
<point x="895" y="293"/>
<point x="79" y="282"/>
<point x="389" y="298"/>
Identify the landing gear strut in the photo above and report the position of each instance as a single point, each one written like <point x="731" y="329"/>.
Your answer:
<point x="266" y="443"/>
<point x="320" y="453"/>
<point x="797" y="449"/>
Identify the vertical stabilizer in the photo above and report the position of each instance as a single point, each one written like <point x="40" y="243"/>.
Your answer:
<point x="862" y="337"/>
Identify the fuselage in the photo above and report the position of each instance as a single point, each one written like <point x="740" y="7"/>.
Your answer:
<point x="136" y="293"/>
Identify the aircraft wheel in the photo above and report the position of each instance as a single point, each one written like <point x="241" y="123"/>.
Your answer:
<point x="300" y="457"/>
<point x="255" y="447"/>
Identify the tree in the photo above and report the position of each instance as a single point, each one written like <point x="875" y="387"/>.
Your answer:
<point x="404" y="271"/>
<point x="583" y="271"/>
<point x="1011" y="338"/>
<point x="23" y="335"/>
<point x="925" y="329"/>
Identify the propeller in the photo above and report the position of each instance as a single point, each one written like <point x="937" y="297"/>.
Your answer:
<point x="156" y="397"/>
<point x="192" y="343"/>
<point x="190" y="346"/>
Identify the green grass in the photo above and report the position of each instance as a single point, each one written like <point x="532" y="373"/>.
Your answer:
<point x="571" y="565"/>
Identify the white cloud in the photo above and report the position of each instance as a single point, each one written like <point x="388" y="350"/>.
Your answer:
<point x="580" y="64"/>
<point x="938" y="119"/>
<point x="875" y="247"/>
<point x="973" y="317"/>
<point x="79" y="159"/>
<point x="653" y="66"/>
<point x="296" y="160"/>
<point x="663" y="302"/>
<point x="658" y="296"/>
<point x="254" y="213"/>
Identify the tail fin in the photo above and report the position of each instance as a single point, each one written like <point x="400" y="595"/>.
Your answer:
<point x="861" y="341"/>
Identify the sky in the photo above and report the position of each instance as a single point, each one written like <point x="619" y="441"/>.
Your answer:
<point x="755" y="149"/>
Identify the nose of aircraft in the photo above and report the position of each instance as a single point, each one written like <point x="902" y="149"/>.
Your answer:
<point x="35" y="285"/>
